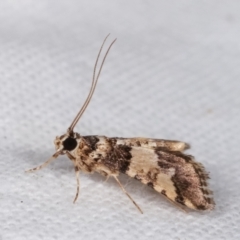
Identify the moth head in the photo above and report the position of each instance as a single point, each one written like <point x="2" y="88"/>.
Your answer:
<point x="67" y="142"/>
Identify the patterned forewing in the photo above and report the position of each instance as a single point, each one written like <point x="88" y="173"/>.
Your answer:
<point x="153" y="162"/>
<point x="175" y="175"/>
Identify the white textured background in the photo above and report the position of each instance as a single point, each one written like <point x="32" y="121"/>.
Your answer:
<point x="173" y="73"/>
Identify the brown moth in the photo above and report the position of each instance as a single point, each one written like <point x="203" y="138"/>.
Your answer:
<point x="160" y="164"/>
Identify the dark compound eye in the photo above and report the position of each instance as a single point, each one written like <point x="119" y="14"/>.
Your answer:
<point x="69" y="144"/>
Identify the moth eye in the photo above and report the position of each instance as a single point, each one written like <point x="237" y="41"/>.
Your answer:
<point x="69" y="143"/>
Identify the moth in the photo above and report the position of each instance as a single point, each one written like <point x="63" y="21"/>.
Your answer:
<point x="160" y="164"/>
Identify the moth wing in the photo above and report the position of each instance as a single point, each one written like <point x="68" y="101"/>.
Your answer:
<point x="169" y="145"/>
<point x="173" y="174"/>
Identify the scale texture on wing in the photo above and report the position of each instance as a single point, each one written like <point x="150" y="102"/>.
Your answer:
<point x="156" y="163"/>
<point x="173" y="174"/>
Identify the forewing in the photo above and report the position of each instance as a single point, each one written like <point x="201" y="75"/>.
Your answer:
<point x="152" y="143"/>
<point x="174" y="174"/>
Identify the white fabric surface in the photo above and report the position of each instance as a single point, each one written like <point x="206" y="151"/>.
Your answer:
<point x="173" y="73"/>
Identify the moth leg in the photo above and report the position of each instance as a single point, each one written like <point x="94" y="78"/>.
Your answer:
<point x="77" y="171"/>
<point x="54" y="156"/>
<point x="104" y="174"/>
<point x="124" y="190"/>
<point x="107" y="177"/>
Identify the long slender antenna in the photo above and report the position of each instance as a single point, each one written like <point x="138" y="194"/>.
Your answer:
<point x="93" y="86"/>
<point x="93" y="80"/>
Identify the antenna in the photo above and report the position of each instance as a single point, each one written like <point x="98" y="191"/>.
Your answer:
<point x="94" y="83"/>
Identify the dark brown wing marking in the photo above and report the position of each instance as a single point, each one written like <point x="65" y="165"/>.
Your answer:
<point x="190" y="179"/>
<point x="91" y="141"/>
<point x="118" y="157"/>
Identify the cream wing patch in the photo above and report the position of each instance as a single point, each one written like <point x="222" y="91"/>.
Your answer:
<point x="144" y="167"/>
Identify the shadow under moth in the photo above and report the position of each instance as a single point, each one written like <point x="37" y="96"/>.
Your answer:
<point x="160" y="164"/>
